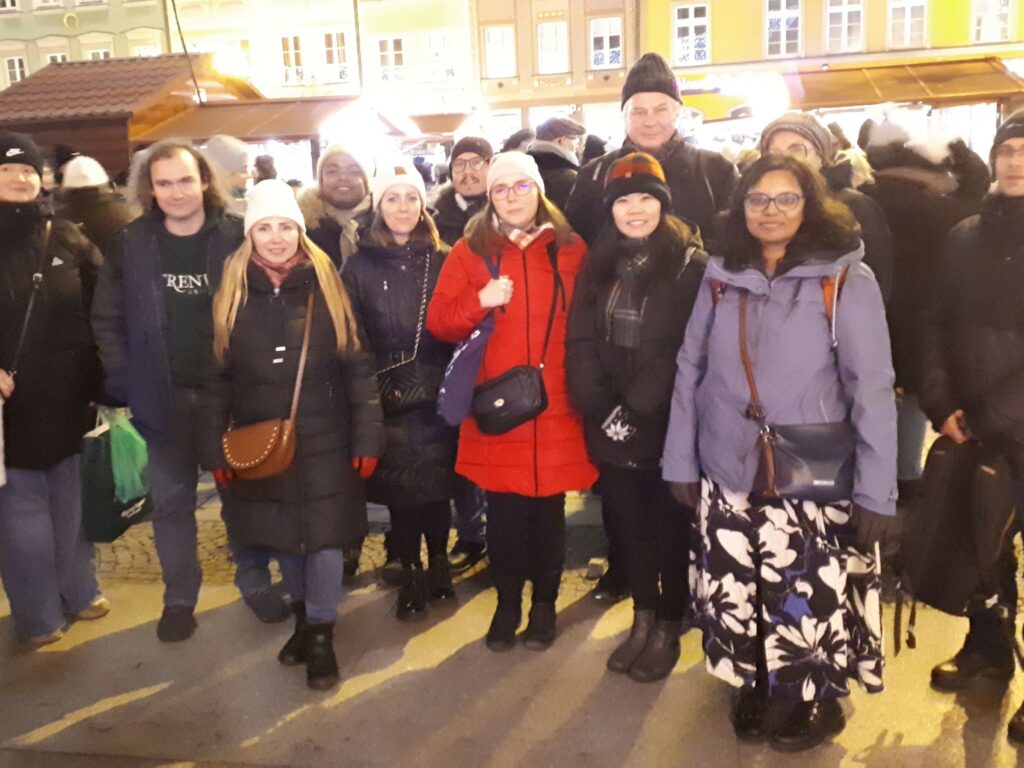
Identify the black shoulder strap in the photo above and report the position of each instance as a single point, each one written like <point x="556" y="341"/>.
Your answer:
<point x="557" y="288"/>
<point x="37" y="284"/>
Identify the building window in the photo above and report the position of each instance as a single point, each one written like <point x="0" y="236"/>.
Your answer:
<point x="606" y="43"/>
<point x="56" y="58"/>
<point x="692" y="39"/>
<point x="99" y="53"/>
<point x="8" y="5"/>
<point x="291" y="59"/>
<point x="334" y="55"/>
<point x="552" y="47"/>
<point x="907" y="23"/>
<point x="392" y="60"/>
<point x="49" y="3"/>
<point x="991" y="21"/>
<point x="442" y="55"/>
<point x="15" y="69"/>
<point x="783" y="27"/>
<point x="146" y="50"/>
<point x="500" y="52"/>
<point x="845" y="26"/>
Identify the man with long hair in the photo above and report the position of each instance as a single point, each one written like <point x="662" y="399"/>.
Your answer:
<point x="153" y="324"/>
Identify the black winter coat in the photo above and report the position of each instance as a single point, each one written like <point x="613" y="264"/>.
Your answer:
<point x="602" y="375"/>
<point x="874" y="231"/>
<point x="972" y="346"/>
<point x="58" y="373"/>
<point x="99" y="212"/>
<point x="385" y="285"/>
<point x="559" y="174"/>
<point x="319" y="502"/>
<point x="451" y="219"/>
<point x="701" y="182"/>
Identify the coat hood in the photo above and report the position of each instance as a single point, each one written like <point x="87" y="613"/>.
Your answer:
<point x="814" y="264"/>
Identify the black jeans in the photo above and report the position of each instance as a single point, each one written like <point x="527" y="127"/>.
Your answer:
<point x="655" y="538"/>
<point x="526" y="540"/>
<point x="408" y="524"/>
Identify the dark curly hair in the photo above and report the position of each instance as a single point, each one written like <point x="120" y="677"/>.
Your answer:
<point x="828" y="224"/>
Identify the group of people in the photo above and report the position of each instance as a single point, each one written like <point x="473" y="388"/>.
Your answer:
<point x="675" y="313"/>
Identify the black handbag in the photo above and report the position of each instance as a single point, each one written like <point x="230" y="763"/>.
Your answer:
<point x="406" y="385"/>
<point x="810" y="462"/>
<point x="518" y="395"/>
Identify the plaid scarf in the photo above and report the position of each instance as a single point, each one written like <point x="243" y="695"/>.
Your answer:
<point x="521" y="238"/>
<point x="276" y="273"/>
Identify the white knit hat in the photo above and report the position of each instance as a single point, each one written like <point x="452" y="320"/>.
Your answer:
<point x="513" y="164"/>
<point x="83" y="171"/>
<point x="272" y="198"/>
<point x="391" y="174"/>
<point x="365" y="164"/>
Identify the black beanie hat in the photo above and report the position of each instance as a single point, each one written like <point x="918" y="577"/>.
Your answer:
<point x="471" y="144"/>
<point x="1011" y="128"/>
<point x="19" y="148"/>
<point x="637" y="172"/>
<point x="651" y="74"/>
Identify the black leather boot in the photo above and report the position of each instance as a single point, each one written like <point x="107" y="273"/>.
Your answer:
<point x="659" y="657"/>
<point x="439" y="579"/>
<point x="294" y="651"/>
<point x="955" y="674"/>
<point x="466" y="554"/>
<point x="541" y="628"/>
<point x="501" y="636"/>
<point x="412" y="595"/>
<point x="321" y="664"/>
<point x="750" y="713"/>
<point x="629" y="650"/>
<point x="808" y="725"/>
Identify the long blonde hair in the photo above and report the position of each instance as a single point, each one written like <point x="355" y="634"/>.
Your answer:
<point x="234" y="291"/>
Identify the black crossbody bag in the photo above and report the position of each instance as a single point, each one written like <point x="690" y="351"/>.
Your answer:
<point x="518" y="395"/>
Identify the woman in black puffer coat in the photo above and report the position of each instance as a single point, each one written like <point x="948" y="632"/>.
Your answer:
<point x="633" y="299"/>
<point x="317" y="506"/>
<point x="391" y="279"/>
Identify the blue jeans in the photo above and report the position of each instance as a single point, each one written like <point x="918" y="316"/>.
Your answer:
<point x="173" y="473"/>
<point x="470" y="507"/>
<point x="46" y="564"/>
<point x="316" y="579"/>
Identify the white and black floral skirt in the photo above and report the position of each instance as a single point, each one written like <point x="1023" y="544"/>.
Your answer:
<point x="781" y="580"/>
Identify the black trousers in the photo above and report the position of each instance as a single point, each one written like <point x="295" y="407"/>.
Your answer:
<point x="526" y="540"/>
<point x="654" y="532"/>
<point x="408" y="524"/>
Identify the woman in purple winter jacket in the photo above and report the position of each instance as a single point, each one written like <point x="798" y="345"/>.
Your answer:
<point x="785" y="591"/>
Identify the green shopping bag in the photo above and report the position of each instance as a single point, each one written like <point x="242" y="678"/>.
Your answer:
<point x="114" y="492"/>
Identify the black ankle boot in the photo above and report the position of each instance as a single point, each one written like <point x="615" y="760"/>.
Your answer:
<point x="501" y="636"/>
<point x="412" y="595"/>
<point x="659" y="657"/>
<point x="321" y="664"/>
<point x="750" y="713"/>
<point x="808" y="725"/>
<point x="439" y="579"/>
<point x="629" y="650"/>
<point x="541" y="628"/>
<point x="294" y="651"/>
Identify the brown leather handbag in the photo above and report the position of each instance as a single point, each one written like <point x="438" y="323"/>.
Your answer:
<point x="266" y="448"/>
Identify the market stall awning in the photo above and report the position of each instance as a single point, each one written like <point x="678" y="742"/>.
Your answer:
<point x="967" y="81"/>
<point x="442" y="124"/>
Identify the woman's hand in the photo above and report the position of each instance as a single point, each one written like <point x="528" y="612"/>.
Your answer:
<point x="223" y="477"/>
<point x="497" y="293"/>
<point x="365" y="465"/>
<point x="687" y="494"/>
<point x="6" y="384"/>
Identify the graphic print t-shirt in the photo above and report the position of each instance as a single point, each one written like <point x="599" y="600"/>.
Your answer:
<point x="188" y="301"/>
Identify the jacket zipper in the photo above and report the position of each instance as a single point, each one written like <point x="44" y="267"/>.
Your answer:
<point x="536" y="432"/>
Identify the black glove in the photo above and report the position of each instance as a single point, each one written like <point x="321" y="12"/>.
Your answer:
<point x="687" y="494"/>
<point x="872" y="527"/>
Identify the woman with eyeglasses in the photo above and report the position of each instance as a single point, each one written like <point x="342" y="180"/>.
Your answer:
<point x="519" y="260"/>
<point x="788" y="330"/>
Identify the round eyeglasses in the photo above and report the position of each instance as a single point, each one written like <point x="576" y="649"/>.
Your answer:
<point x="519" y="189"/>
<point x="475" y="164"/>
<point x="758" y="202"/>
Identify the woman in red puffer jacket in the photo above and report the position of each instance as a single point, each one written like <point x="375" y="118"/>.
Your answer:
<point x="527" y="470"/>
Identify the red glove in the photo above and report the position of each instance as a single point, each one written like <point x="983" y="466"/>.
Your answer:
<point x="223" y="477"/>
<point x="365" y="465"/>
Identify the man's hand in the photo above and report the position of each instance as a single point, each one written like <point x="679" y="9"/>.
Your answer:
<point x="955" y="427"/>
<point x="223" y="477"/>
<point x="6" y="384"/>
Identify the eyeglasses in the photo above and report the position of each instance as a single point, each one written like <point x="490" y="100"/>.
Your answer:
<point x="758" y="202"/>
<point x="476" y="164"/>
<point x="520" y="188"/>
<point x="1006" y="152"/>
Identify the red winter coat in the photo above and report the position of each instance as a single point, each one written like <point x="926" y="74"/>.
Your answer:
<point x="547" y="455"/>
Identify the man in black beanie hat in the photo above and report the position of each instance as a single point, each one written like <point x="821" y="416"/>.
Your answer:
<point x="701" y="181"/>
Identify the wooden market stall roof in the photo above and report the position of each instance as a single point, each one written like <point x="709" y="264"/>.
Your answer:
<point x="963" y="81"/>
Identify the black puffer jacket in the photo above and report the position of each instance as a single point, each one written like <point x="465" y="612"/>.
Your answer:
<point x="451" y="218"/>
<point x="99" y="212"/>
<point x="972" y="346"/>
<point x="701" y="183"/>
<point x="558" y="171"/>
<point x="385" y="284"/>
<point x="602" y="375"/>
<point x="319" y="502"/>
<point x="58" y="373"/>
<point x="922" y="201"/>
